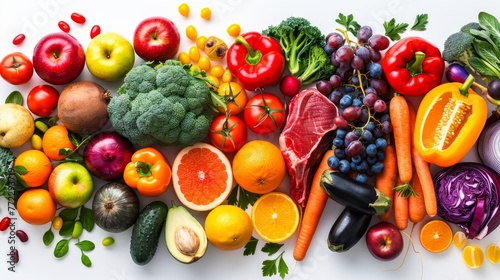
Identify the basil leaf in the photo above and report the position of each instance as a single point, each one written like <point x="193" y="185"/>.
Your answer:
<point x="61" y="248"/>
<point x="69" y="214"/>
<point x="86" y="260"/>
<point x="67" y="228"/>
<point x="87" y="218"/>
<point x="490" y="23"/>
<point x="48" y="237"/>
<point x="85" y="245"/>
<point x="15" y="97"/>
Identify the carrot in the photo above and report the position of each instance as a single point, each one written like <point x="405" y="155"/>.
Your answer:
<point x="416" y="205"/>
<point x="385" y="181"/>
<point x="400" y="116"/>
<point x="423" y="171"/>
<point x="400" y="207"/>
<point x="314" y="208"/>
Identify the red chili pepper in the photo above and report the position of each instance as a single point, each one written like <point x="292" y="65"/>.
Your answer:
<point x="413" y="66"/>
<point x="18" y="39"/>
<point x="64" y="26"/>
<point x="256" y="60"/>
<point x="96" y="30"/>
<point x="4" y="223"/>
<point x="78" y="18"/>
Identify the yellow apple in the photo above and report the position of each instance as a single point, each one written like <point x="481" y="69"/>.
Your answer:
<point x="109" y="56"/>
<point x="16" y="125"/>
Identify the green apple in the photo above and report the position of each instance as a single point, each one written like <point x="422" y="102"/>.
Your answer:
<point x="16" y="125"/>
<point x="71" y="184"/>
<point x="109" y="56"/>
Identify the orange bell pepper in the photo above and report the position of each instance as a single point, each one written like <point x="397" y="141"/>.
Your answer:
<point x="448" y="123"/>
<point x="149" y="172"/>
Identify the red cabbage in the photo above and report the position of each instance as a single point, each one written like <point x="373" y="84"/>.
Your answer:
<point x="468" y="195"/>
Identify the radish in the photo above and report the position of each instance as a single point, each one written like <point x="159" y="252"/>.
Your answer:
<point x="289" y="85"/>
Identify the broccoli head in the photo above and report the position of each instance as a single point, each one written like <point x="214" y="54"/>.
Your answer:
<point x="161" y="105"/>
<point x="296" y="36"/>
<point x="316" y="66"/>
<point x="457" y="47"/>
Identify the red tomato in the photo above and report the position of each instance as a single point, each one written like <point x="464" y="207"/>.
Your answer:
<point x="42" y="100"/>
<point x="16" y="68"/>
<point x="228" y="133"/>
<point x="264" y="113"/>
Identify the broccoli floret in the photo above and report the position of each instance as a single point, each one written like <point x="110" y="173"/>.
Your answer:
<point x="316" y="66"/>
<point x="471" y="25"/>
<point x="174" y="111"/>
<point x="296" y="36"/>
<point x="457" y="47"/>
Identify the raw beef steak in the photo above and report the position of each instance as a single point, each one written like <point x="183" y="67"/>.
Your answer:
<point x="308" y="133"/>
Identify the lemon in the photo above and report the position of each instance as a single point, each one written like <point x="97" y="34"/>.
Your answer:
<point x="228" y="227"/>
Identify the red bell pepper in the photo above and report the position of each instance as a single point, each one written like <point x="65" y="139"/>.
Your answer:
<point x="413" y="66"/>
<point x="256" y="60"/>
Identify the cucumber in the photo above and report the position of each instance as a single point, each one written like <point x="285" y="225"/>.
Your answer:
<point x="350" y="193"/>
<point x="146" y="232"/>
<point x="347" y="230"/>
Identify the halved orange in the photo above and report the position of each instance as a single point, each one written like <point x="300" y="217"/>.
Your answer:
<point x="436" y="236"/>
<point x="275" y="217"/>
<point x="473" y="256"/>
<point x="202" y="176"/>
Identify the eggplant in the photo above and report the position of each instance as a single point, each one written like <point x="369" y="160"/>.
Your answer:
<point x="350" y="193"/>
<point x="348" y="229"/>
<point x="115" y="207"/>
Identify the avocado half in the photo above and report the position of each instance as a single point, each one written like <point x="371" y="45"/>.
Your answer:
<point x="184" y="236"/>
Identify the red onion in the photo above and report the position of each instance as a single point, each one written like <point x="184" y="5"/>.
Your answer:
<point x="107" y="154"/>
<point x="488" y="142"/>
<point x="468" y="195"/>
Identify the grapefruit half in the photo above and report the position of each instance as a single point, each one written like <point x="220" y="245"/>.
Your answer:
<point x="202" y="176"/>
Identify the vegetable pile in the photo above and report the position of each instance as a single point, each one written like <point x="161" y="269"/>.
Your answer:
<point x="341" y="108"/>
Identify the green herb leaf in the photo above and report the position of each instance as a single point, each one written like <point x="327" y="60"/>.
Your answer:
<point x="85" y="245"/>
<point x="67" y="228"/>
<point x="269" y="267"/>
<point x="349" y="23"/>
<point x="61" y="248"/>
<point x="282" y="266"/>
<point x="486" y="52"/>
<point x="86" y="260"/>
<point x="21" y="170"/>
<point x="483" y="68"/>
<point x="69" y="214"/>
<point x="251" y="246"/>
<point x="87" y="218"/>
<point x="420" y="23"/>
<point x="271" y="248"/>
<point x="15" y="97"/>
<point x="393" y="30"/>
<point x="48" y="237"/>
<point x="241" y="198"/>
<point x="490" y="23"/>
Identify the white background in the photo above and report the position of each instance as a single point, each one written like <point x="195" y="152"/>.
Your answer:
<point x="38" y="18"/>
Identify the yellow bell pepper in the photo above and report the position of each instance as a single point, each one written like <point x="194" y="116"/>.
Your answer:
<point x="448" y="123"/>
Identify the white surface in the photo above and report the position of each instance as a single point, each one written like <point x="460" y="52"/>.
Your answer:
<point x="37" y="18"/>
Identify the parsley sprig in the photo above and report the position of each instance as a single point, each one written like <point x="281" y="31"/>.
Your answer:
<point x="394" y="30"/>
<point x="271" y="266"/>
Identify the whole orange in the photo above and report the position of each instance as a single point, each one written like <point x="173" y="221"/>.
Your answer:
<point x="35" y="206"/>
<point x="259" y="166"/>
<point x="37" y="167"/>
<point x="55" y="139"/>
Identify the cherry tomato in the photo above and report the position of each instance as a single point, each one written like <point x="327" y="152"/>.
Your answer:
<point x="228" y="133"/>
<point x="16" y="68"/>
<point x="264" y="113"/>
<point x="78" y="18"/>
<point x="234" y="96"/>
<point x="42" y="100"/>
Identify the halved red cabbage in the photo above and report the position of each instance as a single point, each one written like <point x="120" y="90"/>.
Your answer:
<point x="468" y="195"/>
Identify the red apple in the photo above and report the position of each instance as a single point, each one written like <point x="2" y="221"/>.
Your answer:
<point x="58" y="58"/>
<point x="156" y="39"/>
<point x="384" y="241"/>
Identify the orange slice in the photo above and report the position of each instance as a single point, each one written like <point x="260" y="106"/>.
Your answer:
<point x="275" y="217"/>
<point x="473" y="256"/>
<point x="459" y="239"/>
<point x="493" y="253"/>
<point x="202" y="177"/>
<point x="436" y="236"/>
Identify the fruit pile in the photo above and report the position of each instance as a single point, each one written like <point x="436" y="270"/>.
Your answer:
<point x="86" y="156"/>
